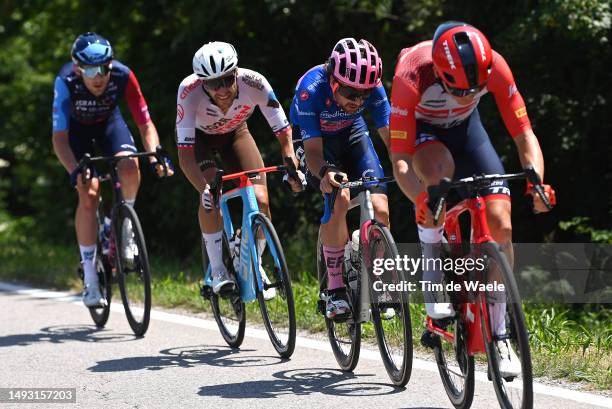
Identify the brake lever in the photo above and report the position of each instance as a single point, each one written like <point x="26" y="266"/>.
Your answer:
<point x="291" y="171"/>
<point x="215" y="188"/>
<point x="536" y="182"/>
<point x="437" y="198"/>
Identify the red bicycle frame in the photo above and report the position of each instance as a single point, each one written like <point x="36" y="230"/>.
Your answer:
<point x="470" y="312"/>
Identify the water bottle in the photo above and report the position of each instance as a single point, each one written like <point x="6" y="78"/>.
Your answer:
<point x="105" y="229"/>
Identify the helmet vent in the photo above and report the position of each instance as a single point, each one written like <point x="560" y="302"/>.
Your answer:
<point x="213" y="66"/>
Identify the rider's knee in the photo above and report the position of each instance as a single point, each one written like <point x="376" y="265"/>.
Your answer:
<point x="342" y="201"/>
<point x="381" y="207"/>
<point x="89" y="201"/>
<point x="261" y="194"/>
<point x="128" y="168"/>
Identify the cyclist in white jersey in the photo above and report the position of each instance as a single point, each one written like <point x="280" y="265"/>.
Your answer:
<point x="213" y="105"/>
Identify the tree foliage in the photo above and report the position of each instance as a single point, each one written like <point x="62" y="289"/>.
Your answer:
<point x="559" y="51"/>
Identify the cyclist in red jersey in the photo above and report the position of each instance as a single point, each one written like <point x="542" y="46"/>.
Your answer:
<point x="436" y="132"/>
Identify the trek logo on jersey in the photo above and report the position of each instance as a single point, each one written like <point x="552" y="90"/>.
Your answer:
<point x="512" y="90"/>
<point x="449" y="57"/>
<point x="395" y="110"/>
<point x="399" y="135"/>
<point x="521" y="112"/>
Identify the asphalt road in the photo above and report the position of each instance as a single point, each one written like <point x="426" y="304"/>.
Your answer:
<point x="47" y="340"/>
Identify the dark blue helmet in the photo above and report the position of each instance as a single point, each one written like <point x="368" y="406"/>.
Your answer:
<point x="91" y="49"/>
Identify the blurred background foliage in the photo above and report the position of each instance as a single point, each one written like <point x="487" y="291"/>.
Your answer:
<point x="559" y="51"/>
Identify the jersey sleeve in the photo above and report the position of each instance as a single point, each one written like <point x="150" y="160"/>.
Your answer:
<point x="272" y="109"/>
<point x="186" y="106"/>
<point x="379" y="105"/>
<point x="136" y="102"/>
<point x="509" y="101"/>
<point x="307" y="113"/>
<point x="402" y="121"/>
<point x="61" y="106"/>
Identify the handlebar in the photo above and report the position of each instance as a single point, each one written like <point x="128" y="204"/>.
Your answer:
<point x="365" y="181"/>
<point x="216" y="186"/>
<point x="437" y="193"/>
<point x="87" y="162"/>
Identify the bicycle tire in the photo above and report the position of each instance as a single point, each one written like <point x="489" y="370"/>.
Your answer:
<point x="346" y="360"/>
<point x="461" y="394"/>
<point x="400" y="324"/>
<point x="100" y="315"/>
<point x="518" y="336"/>
<point x="233" y="303"/>
<point x="279" y="277"/>
<point x="139" y="272"/>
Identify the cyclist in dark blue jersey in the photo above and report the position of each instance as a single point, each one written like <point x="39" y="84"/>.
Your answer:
<point x="86" y="112"/>
<point x="326" y="113"/>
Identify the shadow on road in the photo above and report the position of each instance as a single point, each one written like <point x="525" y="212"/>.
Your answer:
<point x="64" y="333"/>
<point x="187" y="357"/>
<point x="302" y="382"/>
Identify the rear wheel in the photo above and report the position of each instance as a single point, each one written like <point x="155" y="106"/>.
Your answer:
<point x="100" y="314"/>
<point x="516" y="336"/>
<point x="228" y="310"/>
<point x="390" y="312"/>
<point x="133" y="270"/>
<point x="278" y="312"/>
<point x="344" y="337"/>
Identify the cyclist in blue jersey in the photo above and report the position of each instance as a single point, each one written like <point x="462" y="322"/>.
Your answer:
<point x="85" y="112"/>
<point x="326" y="113"/>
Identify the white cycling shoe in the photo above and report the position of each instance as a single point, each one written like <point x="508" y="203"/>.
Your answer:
<point x="92" y="297"/>
<point x="221" y="282"/>
<point x="270" y="292"/>
<point x="439" y="310"/>
<point x="509" y="362"/>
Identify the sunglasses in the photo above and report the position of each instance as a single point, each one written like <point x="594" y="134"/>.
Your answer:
<point x="352" y="93"/>
<point x="92" y="71"/>
<point x="222" y="82"/>
<point x="460" y="92"/>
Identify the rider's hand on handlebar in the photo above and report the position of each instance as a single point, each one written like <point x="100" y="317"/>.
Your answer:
<point x="296" y="185"/>
<point x="158" y="168"/>
<point x="423" y="214"/>
<point x="538" y="204"/>
<point x="81" y="177"/>
<point x="207" y="199"/>
<point x="328" y="183"/>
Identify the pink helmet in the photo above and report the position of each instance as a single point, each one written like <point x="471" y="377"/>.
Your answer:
<point x="355" y="64"/>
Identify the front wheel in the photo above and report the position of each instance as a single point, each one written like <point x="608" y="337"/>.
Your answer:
<point x="505" y="312"/>
<point x="390" y="312"/>
<point x="228" y="311"/>
<point x="344" y="337"/>
<point x="133" y="269"/>
<point x="277" y="308"/>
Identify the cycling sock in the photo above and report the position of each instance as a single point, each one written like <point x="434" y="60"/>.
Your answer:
<point x="498" y="317"/>
<point x="261" y="246"/>
<point x="88" y="260"/>
<point x="334" y="257"/>
<point x="430" y="237"/>
<point x="214" y="248"/>
<point x="130" y="202"/>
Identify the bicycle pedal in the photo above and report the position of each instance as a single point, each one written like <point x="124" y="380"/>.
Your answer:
<point x="227" y="291"/>
<point x="442" y="323"/>
<point x="321" y="305"/>
<point x="428" y="340"/>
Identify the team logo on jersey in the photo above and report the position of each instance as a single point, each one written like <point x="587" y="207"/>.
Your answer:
<point x="399" y="135"/>
<point x="327" y="103"/>
<point x="512" y="90"/>
<point x="190" y="88"/>
<point x="253" y="81"/>
<point x="395" y="110"/>
<point x="521" y="112"/>
<point x="304" y="95"/>
<point x="180" y="113"/>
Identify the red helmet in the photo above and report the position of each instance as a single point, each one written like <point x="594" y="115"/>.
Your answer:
<point x="462" y="56"/>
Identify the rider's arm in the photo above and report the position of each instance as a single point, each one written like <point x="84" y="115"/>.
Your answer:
<point x="61" y="120"/>
<point x="286" y="141"/>
<point x="529" y="151"/>
<point x="403" y="132"/>
<point x="380" y="108"/>
<point x="140" y="113"/>
<point x="186" y="105"/>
